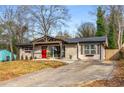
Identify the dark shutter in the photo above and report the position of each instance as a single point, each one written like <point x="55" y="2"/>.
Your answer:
<point x="82" y="49"/>
<point x="98" y="49"/>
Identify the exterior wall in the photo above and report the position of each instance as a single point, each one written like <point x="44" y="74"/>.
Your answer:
<point x="70" y="53"/>
<point x="71" y="50"/>
<point x="103" y="52"/>
<point x="24" y="54"/>
<point x="37" y="52"/>
<point x="94" y="57"/>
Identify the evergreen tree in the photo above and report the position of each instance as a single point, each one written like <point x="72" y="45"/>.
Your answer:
<point x="111" y="34"/>
<point x="123" y="37"/>
<point x="100" y="22"/>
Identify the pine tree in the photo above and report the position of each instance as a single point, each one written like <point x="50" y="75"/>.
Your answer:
<point x="111" y="33"/>
<point x="100" y="22"/>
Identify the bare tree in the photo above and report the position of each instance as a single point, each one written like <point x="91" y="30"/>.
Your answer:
<point x="63" y="35"/>
<point x="13" y="24"/>
<point x="6" y="22"/>
<point x="49" y="18"/>
<point x="21" y="22"/>
<point x="86" y="30"/>
<point x="116" y="13"/>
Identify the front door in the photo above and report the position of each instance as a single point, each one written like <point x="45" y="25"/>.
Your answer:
<point x="44" y="52"/>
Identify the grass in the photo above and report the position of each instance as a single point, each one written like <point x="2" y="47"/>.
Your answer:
<point x="14" y="69"/>
<point x="116" y="81"/>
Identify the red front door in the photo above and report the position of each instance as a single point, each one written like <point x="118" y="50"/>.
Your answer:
<point x="44" y="51"/>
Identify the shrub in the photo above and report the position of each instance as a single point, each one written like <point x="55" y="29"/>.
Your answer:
<point x="22" y="58"/>
<point x="35" y="57"/>
<point x="70" y="56"/>
<point x="26" y="57"/>
<point x="121" y="53"/>
<point x="48" y="54"/>
<point x="31" y="58"/>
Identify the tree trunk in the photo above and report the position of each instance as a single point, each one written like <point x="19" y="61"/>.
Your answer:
<point x="11" y="49"/>
<point x="119" y="35"/>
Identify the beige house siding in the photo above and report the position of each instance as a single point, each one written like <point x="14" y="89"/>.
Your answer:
<point x="37" y="52"/>
<point x="70" y="53"/>
<point x="84" y="57"/>
<point x="24" y="54"/>
<point x="71" y="50"/>
<point x="95" y="57"/>
<point x="103" y="52"/>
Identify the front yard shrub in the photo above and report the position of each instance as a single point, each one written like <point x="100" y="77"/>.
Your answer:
<point x="48" y="54"/>
<point x="31" y="58"/>
<point x="35" y="57"/>
<point x="70" y="56"/>
<point x="22" y="58"/>
<point x="26" y="57"/>
<point x="121" y="53"/>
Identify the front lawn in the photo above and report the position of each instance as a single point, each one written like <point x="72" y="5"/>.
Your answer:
<point x="116" y="81"/>
<point x="14" y="69"/>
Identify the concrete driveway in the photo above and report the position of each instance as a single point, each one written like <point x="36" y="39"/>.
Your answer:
<point x="69" y="75"/>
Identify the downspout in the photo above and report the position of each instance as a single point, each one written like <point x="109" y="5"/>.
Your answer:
<point x="100" y="53"/>
<point x="61" y="50"/>
<point x="33" y="51"/>
<point x="53" y="51"/>
<point x="77" y="50"/>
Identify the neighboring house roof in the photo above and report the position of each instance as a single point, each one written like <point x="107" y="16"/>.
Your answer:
<point x="87" y="39"/>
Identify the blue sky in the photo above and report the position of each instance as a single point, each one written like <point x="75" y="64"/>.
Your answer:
<point x="80" y="14"/>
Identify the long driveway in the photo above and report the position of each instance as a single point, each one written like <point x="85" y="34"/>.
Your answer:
<point x="68" y="75"/>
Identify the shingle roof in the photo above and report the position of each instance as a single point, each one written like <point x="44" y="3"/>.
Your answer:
<point x="88" y="39"/>
<point x="102" y="39"/>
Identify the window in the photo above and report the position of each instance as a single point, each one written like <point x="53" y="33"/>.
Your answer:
<point x="90" y="49"/>
<point x="28" y="49"/>
<point x="87" y="49"/>
<point x="93" y="49"/>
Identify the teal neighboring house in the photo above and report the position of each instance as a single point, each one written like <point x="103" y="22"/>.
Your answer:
<point x="5" y="55"/>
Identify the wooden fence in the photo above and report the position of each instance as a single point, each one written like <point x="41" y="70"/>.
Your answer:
<point x="112" y="54"/>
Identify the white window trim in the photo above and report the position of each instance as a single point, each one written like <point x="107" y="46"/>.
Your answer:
<point x="90" y="49"/>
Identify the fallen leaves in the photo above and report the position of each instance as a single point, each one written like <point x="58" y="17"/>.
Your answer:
<point x="14" y="69"/>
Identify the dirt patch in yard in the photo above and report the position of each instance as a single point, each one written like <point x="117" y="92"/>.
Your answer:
<point x="116" y="81"/>
<point x="14" y="69"/>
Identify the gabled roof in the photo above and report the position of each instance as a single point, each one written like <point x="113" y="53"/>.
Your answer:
<point x="101" y="39"/>
<point x="49" y="38"/>
<point x="86" y="39"/>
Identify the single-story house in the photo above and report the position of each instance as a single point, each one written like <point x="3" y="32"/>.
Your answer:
<point x="91" y="48"/>
<point x="6" y="55"/>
